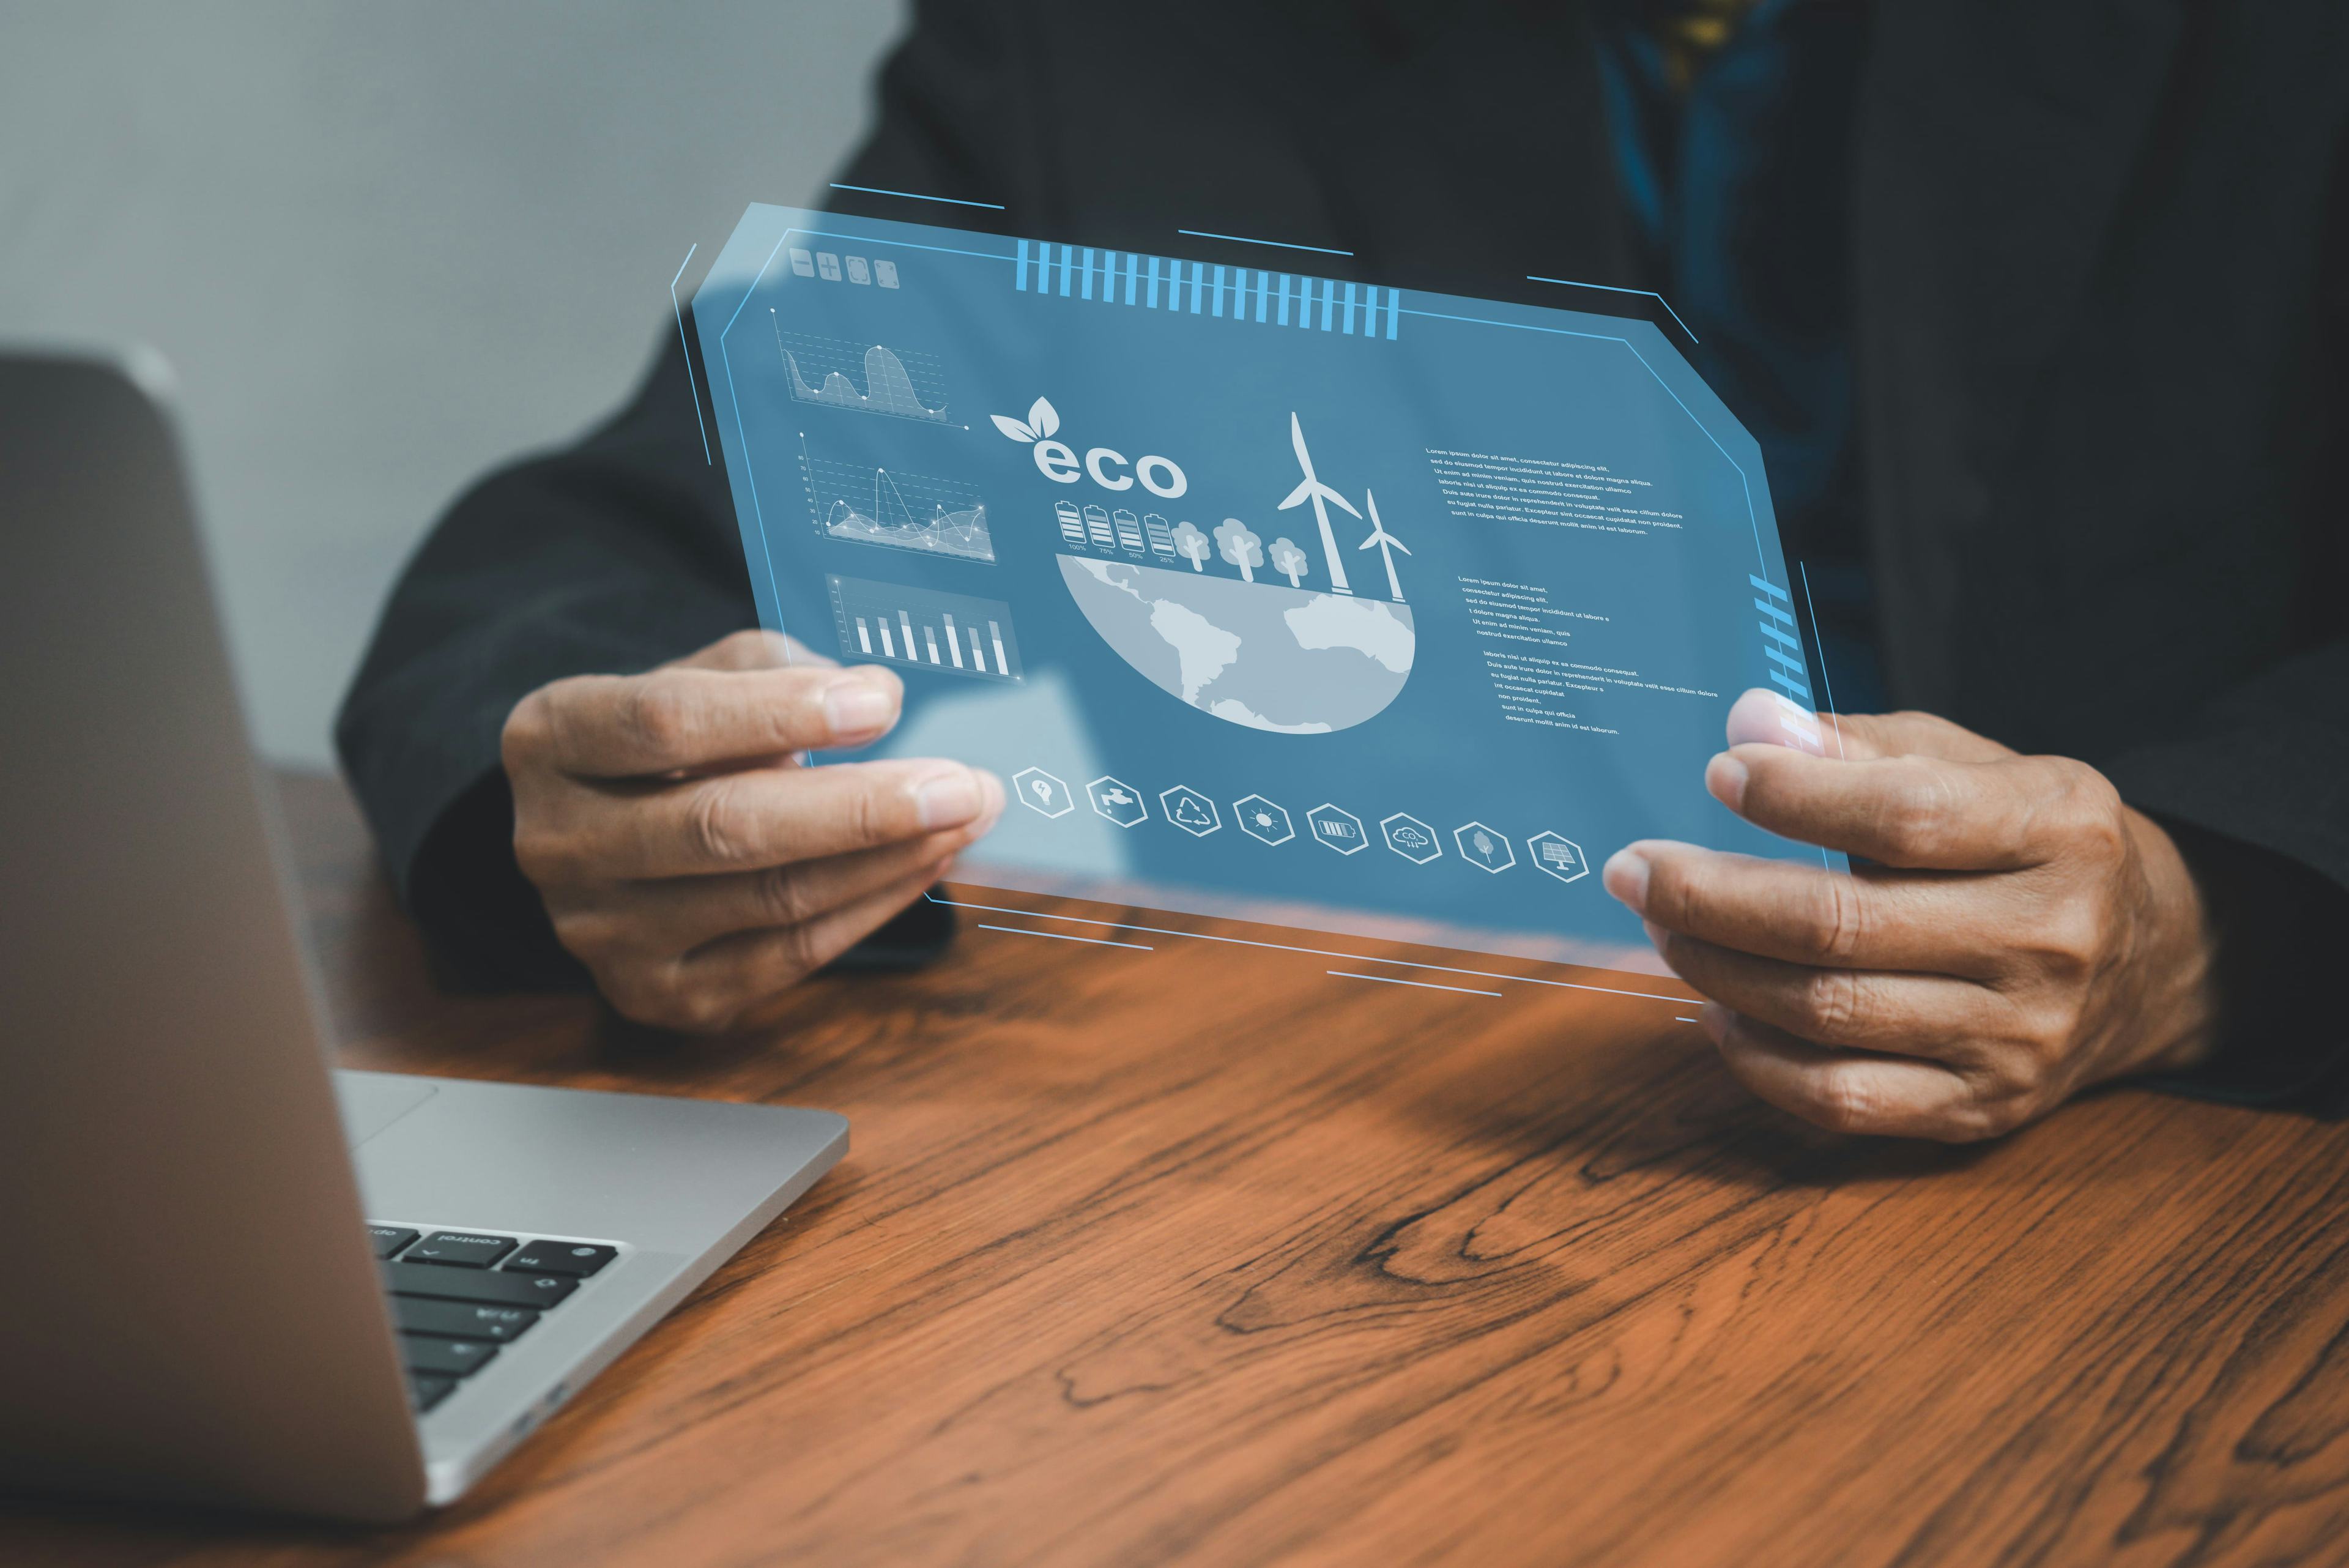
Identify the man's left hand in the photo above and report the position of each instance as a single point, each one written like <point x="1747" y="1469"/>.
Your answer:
<point x="2021" y="934"/>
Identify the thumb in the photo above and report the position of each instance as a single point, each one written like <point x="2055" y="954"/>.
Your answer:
<point x="1759" y="718"/>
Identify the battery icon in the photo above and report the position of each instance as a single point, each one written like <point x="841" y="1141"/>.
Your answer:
<point x="1073" y="524"/>
<point x="1161" y="537"/>
<point x="1097" y="524"/>
<point x="1129" y="530"/>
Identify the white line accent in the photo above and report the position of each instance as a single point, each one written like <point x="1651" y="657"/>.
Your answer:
<point x="1059" y="937"/>
<point x="1419" y="984"/>
<point x="1313" y="952"/>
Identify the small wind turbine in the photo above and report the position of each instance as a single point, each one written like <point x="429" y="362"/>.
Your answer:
<point x="1311" y="489"/>
<point x="1387" y="543"/>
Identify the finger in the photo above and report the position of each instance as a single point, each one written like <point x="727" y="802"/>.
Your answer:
<point x="1852" y="1092"/>
<point x="634" y="726"/>
<point x="730" y="981"/>
<point x="1907" y="810"/>
<point x="1809" y="914"/>
<point x="755" y="648"/>
<point x="1925" y="1015"/>
<point x="1759" y="718"/>
<point x="759" y="818"/>
<point x="680" y="914"/>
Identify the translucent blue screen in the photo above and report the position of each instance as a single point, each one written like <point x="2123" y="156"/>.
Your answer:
<point x="1267" y="595"/>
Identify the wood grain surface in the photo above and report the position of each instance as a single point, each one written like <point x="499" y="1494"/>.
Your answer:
<point x="1198" y="1254"/>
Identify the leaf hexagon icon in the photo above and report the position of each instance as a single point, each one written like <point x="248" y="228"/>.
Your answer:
<point x="1043" y="418"/>
<point x="1012" y="427"/>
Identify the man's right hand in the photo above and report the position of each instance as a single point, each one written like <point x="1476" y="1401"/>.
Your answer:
<point x="685" y="854"/>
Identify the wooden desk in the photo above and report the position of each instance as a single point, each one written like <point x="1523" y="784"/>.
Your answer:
<point x="1198" y="1255"/>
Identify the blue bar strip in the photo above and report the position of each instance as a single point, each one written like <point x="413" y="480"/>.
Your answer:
<point x="1068" y="265"/>
<point x="1132" y="275"/>
<point x="1218" y="308"/>
<point x="1019" y="269"/>
<point x="1773" y="611"/>
<point x="1328" y="302"/>
<point x="1773" y="589"/>
<point x="1350" y="310"/>
<point x="1263" y="295"/>
<point x="1784" y="660"/>
<point x="1085" y="290"/>
<point x="1800" y="692"/>
<point x="1395" y="313"/>
<point x="1198" y="283"/>
<point x="1154" y="283"/>
<point x="1283" y="319"/>
<point x="1777" y="636"/>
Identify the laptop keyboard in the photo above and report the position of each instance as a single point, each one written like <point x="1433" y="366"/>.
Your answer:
<point x="457" y="1296"/>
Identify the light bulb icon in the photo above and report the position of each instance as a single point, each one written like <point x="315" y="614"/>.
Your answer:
<point x="1041" y="793"/>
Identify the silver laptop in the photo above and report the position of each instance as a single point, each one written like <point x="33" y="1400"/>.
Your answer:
<point x="235" y="1275"/>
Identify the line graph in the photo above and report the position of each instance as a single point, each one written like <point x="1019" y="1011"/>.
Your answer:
<point x="894" y="509"/>
<point x="895" y="379"/>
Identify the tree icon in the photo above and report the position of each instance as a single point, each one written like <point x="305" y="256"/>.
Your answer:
<point x="1192" y="545"/>
<point x="1241" y="547"/>
<point x="1290" y="561"/>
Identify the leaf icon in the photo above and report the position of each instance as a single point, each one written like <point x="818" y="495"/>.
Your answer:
<point x="1044" y="418"/>
<point x="1012" y="427"/>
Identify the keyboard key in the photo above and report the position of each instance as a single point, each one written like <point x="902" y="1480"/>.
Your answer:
<point x="445" y="1357"/>
<point x="388" y="1239"/>
<point x="578" y="1258"/>
<point x="459" y="1249"/>
<point x="426" y="1389"/>
<point x="461" y="1319"/>
<point x="503" y="1288"/>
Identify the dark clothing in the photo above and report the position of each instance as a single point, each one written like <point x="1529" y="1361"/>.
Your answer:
<point x="1736" y="181"/>
<point x="2099" y="301"/>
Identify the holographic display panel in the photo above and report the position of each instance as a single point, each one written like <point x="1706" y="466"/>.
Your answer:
<point x="1269" y="596"/>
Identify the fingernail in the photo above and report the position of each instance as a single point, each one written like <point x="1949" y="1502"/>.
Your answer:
<point x="948" y="799"/>
<point x="855" y="706"/>
<point x="1626" y="877"/>
<point x="1714" y="1019"/>
<point x="1726" y="777"/>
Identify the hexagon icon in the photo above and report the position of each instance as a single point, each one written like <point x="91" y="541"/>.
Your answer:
<point x="1261" y="818"/>
<point x="1189" y="810"/>
<point x="1483" y="847"/>
<point x="1559" y="856"/>
<point x="1118" y="801"/>
<point x="1042" y="791"/>
<point x="1334" y="827"/>
<point x="1410" y="838"/>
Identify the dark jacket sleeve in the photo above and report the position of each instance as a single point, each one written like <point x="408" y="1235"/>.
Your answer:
<point x="2254" y="786"/>
<point x="612" y="556"/>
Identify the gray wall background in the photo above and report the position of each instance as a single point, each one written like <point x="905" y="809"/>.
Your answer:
<point x="386" y="246"/>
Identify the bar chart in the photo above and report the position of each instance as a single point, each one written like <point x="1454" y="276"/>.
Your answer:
<point x="953" y="634"/>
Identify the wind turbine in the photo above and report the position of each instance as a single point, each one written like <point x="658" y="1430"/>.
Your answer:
<point x="1388" y="545"/>
<point x="1311" y="489"/>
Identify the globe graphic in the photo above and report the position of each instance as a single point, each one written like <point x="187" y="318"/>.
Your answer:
<point x="1264" y="655"/>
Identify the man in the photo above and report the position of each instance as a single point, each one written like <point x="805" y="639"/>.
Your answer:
<point x="2036" y="307"/>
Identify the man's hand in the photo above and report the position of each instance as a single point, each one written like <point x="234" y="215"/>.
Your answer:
<point x="2020" y="936"/>
<point x="686" y="856"/>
